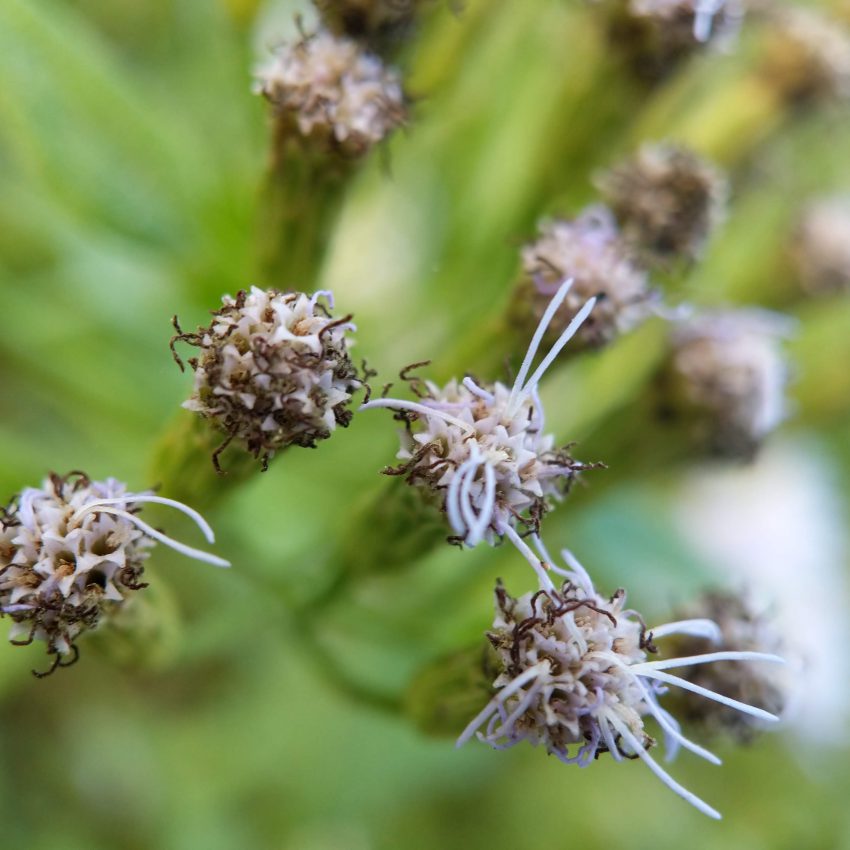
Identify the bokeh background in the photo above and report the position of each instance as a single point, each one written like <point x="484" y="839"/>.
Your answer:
<point x="132" y="155"/>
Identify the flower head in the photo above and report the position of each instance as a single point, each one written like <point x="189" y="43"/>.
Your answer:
<point x="821" y="246"/>
<point x="71" y="552"/>
<point x="659" y="34"/>
<point x="590" y="250"/>
<point x="334" y="93"/>
<point x="744" y="626"/>
<point x="667" y="200"/>
<point x="727" y="377"/>
<point x="274" y="370"/>
<point x="808" y="55"/>
<point x="481" y="450"/>
<point x="577" y="679"/>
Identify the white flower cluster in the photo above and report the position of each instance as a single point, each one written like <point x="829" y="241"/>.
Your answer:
<point x="821" y="246"/>
<point x="335" y="92"/>
<point x="274" y="370"/>
<point x="591" y="251"/>
<point x="70" y="552"/>
<point x="728" y="374"/>
<point x="577" y="678"/>
<point x="483" y="450"/>
<point x="667" y="201"/>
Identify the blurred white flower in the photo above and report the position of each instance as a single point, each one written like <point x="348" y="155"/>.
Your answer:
<point x="591" y="251"/>
<point x="667" y="201"/>
<point x="821" y="246"/>
<point x="777" y="528"/>
<point x="728" y="375"/>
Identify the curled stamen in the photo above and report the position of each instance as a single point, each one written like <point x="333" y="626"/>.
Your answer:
<point x="150" y="531"/>
<point x="414" y="407"/>
<point x="159" y="500"/>
<point x="699" y="627"/>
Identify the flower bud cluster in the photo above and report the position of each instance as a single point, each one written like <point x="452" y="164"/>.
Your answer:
<point x="808" y="56"/>
<point x="657" y="35"/>
<point x="742" y="626"/>
<point x="667" y="201"/>
<point x="370" y="21"/>
<point x="335" y="94"/>
<point x="274" y="370"/>
<point x="821" y="246"/>
<point x="727" y="377"/>
<point x="591" y="252"/>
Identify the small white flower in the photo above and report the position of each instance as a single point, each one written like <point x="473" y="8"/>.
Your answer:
<point x="591" y="251"/>
<point x="728" y="375"/>
<point x="335" y="92"/>
<point x="274" y="370"/>
<point x="483" y="450"/>
<point x="71" y="551"/>
<point x="577" y="679"/>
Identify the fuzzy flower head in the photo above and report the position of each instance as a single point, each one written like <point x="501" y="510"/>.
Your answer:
<point x="667" y="201"/>
<point x="727" y="377"/>
<point x="808" y="56"/>
<point x="334" y="93"/>
<point x="71" y="552"/>
<point x="742" y="625"/>
<point x="659" y="34"/>
<point x="273" y="370"/>
<point x="590" y="250"/>
<point x="481" y="451"/>
<point x="577" y="678"/>
<point x="821" y="246"/>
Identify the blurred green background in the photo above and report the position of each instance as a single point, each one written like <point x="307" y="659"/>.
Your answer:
<point x="132" y="155"/>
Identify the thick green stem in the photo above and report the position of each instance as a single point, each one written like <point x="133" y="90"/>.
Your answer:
<point x="183" y="462"/>
<point x="300" y="203"/>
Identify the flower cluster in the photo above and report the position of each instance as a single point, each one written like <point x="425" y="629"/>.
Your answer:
<point x="743" y="625"/>
<point x="333" y="92"/>
<point x="274" y="370"/>
<point x="658" y="34"/>
<point x="727" y="377"/>
<point x="667" y="201"/>
<point x="70" y="553"/>
<point x="577" y="678"/>
<point x="591" y="251"/>
<point x="808" y="55"/>
<point x="482" y="449"/>
<point x="821" y="246"/>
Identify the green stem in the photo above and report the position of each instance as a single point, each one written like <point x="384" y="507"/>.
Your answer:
<point x="299" y="206"/>
<point x="183" y="462"/>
